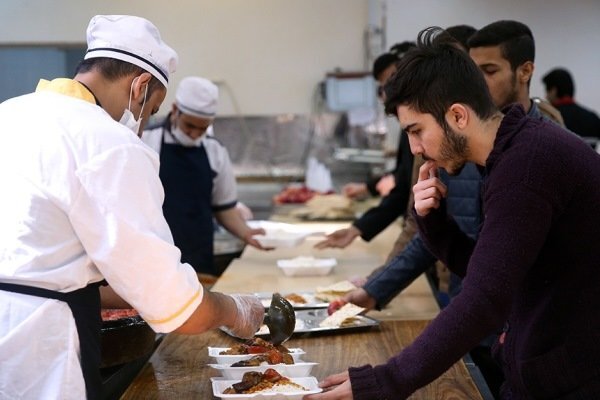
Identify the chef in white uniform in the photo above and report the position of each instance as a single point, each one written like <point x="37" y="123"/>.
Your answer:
<point x="82" y="203"/>
<point x="197" y="175"/>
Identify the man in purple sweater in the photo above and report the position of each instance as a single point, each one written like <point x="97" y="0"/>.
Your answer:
<point x="534" y="269"/>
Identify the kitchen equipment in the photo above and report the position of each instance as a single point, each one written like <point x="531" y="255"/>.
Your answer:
<point x="124" y="340"/>
<point x="309" y="322"/>
<point x="309" y="300"/>
<point x="280" y="319"/>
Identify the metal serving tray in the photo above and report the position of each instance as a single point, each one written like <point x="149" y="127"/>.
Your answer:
<point x="311" y="301"/>
<point x="307" y="321"/>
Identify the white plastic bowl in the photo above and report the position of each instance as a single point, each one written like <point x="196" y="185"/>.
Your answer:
<point x="230" y="359"/>
<point x="307" y="266"/>
<point x="310" y="383"/>
<point x="298" y="370"/>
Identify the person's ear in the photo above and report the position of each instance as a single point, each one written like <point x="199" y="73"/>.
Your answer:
<point x="140" y="85"/>
<point x="525" y="71"/>
<point x="458" y="115"/>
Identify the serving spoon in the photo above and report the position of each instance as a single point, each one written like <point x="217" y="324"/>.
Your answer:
<point x="280" y="319"/>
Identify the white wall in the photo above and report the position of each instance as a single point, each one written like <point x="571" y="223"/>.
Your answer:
<point x="567" y="33"/>
<point x="271" y="53"/>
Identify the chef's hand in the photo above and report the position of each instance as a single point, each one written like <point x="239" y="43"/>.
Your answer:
<point x="355" y="190"/>
<point x="335" y="387"/>
<point x="251" y="240"/>
<point x="340" y="238"/>
<point x="249" y="317"/>
<point x="429" y="190"/>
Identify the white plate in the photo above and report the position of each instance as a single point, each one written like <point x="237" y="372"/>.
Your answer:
<point x="230" y="359"/>
<point x="306" y="266"/>
<point x="298" y="370"/>
<point x="310" y="383"/>
<point x="308" y="321"/>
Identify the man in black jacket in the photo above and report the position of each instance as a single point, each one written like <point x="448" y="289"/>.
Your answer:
<point x="560" y="91"/>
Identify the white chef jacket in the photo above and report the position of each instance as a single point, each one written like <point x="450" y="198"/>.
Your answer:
<point x="224" y="189"/>
<point x="81" y="201"/>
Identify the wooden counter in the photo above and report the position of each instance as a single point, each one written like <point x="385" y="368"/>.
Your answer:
<point x="178" y="369"/>
<point x="257" y="271"/>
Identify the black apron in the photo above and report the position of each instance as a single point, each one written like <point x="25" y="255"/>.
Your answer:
<point x="85" y="306"/>
<point x="188" y="182"/>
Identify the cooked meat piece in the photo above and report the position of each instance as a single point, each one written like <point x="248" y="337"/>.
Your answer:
<point x="253" y="362"/>
<point x="249" y="379"/>
<point x="271" y="375"/>
<point x="287" y="358"/>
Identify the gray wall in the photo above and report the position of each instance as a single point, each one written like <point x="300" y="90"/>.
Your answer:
<point x="269" y="55"/>
<point x="567" y="33"/>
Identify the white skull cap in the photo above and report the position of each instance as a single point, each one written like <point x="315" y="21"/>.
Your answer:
<point x="197" y="96"/>
<point x="131" y="39"/>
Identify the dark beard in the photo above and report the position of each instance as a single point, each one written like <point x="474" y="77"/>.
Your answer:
<point x="513" y="96"/>
<point x="454" y="148"/>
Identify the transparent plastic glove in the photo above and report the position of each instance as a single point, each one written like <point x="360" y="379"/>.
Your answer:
<point x="249" y="318"/>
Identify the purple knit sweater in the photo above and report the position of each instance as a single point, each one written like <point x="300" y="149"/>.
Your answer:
<point x="535" y="270"/>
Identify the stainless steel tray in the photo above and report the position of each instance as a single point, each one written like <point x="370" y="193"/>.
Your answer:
<point x="307" y="321"/>
<point x="311" y="301"/>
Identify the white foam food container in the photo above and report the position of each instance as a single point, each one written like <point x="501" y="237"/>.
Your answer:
<point x="228" y="359"/>
<point x="298" y="370"/>
<point x="307" y="266"/>
<point x="310" y="383"/>
<point x="280" y="238"/>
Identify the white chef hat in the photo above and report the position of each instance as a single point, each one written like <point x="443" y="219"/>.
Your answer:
<point x="197" y="96"/>
<point x="131" y="39"/>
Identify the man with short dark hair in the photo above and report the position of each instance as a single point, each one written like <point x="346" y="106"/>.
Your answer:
<point x="394" y="203"/>
<point x="560" y="91"/>
<point x="529" y="270"/>
<point x="505" y="53"/>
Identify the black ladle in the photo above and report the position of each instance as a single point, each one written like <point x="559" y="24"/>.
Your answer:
<point x="280" y="319"/>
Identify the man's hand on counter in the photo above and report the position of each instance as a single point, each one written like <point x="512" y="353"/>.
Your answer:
<point x="335" y="387"/>
<point x="340" y="238"/>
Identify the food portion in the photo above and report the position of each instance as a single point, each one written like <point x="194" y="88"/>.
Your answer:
<point x="295" y="298"/>
<point x="272" y="357"/>
<point x="342" y="317"/>
<point x="268" y="382"/>
<point x="295" y="194"/>
<point x="254" y="346"/>
<point x="326" y="207"/>
<point x="334" y="291"/>
<point x="113" y="314"/>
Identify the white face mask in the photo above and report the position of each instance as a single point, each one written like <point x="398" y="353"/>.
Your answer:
<point x="184" y="139"/>
<point x="128" y="119"/>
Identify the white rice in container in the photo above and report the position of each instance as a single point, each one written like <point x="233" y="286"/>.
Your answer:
<point x="284" y="388"/>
